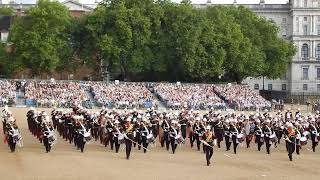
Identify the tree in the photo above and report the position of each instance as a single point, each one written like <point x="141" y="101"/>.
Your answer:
<point x="6" y="11"/>
<point x="39" y="38"/>
<point x="271" y="54"/>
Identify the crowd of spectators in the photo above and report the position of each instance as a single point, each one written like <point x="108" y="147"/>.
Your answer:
<point x="123" y="95"/>
<point x="192" y="96"/>
<point x="241" y="97"/>
<point x="52" y="94"/>
<point x="7" y="93"/>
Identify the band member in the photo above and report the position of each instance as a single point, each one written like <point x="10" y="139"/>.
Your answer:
<point x="219" y="131"/>
<point x="259" y="135"/>
<point x="154" y="125"/>
<point x="128" y="130"/>
<point x="108" y="135"/>
<point x="299" y="130"/>
<point x="13" y="135"/>
<point x="208" y="138"/>
<point x="173" y="133"/>
<point x="314" y="130"/>
<point x="290" y="137"/>
<point x="145" y="132"/>
<point x="198" y="130"/>
<point x="278" y="129"/>
<point x="227" y="134"/>
<point x="30" y="115"/>
<point x="267" y="131"/>
<point x="183" y="125"/>
<point x="165" y="140"/>
<point x="234" y="130"/>
<point x="116" y="135"/>
<point x="249" y="131"/>
<point x="83" y="134"/>
<point x="48" y="135"/>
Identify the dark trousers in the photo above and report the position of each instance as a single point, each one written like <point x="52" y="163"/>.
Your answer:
<point x="173" y="144"/>
<point x="4" y="127"/>
<point x="46" y="144"/>
<point x="144" y="143"/>
<point x="191" y="138"/>
<point x="95" y="133"/>
<point x="219" y="136"/>
<point x="298" y="147"/>
<point x="128" y="147"/>
<point x="248" y="140"/>
<point x="116" y="144"/>
<point x="235" y="144"/>
<point x="279" y="136"/>
<point x="12" y="144"/>
<point x="165" y="140"/>
<point x="209" y="153"/>
<point x="184" y="131"/>
<point x="314" y="143"/>
<point x="81" y="143"/>
<point x="267" y="141"/>
<point x="228" y="143"/>
<point x="197" y="138"/>
<point x="291" y="148"/>
<point x="259" y="142"/>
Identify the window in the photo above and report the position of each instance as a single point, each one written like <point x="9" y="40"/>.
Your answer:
<point x="318" y="87"/>
<point x="305" y="18"/>
<point x="305" y="3"/>
<point x="284" y="20"/>
<point x="318" y="29"/>
<point x="284" y="87"/>
<point x="305" y="73"/>
<point x="256" y="86"/>
<point x="305" y="51"/>
<point x="270" y="87"/>
<point x="305" y="87"/>
<point x="284" y="32"/>
<point x="318" y="73"/>
<point x="4" y="36"/>
<point x="305" y="30"/>
<point x="318" y="52"/>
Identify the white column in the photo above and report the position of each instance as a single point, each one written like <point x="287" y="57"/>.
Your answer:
<point x="299" y="50"/>
<point x="312" y="50"/>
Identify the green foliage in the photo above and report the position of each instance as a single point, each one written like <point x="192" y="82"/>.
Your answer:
<point x="6" y="11"/>
<point x="39" y="38"/>
<point x="152" y="40"/>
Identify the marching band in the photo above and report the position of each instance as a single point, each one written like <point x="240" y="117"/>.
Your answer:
<point x="134" y="129"/>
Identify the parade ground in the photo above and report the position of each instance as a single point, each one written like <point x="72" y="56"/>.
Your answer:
<point x="64" y="162"/>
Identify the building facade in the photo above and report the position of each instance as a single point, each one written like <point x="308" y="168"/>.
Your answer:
<point x="299" y="22"/>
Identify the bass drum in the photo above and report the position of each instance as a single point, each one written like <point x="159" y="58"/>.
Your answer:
<point x="87" y="136"/>
<point x="150" y="138"/>
<point x="240" y="137"/>
<point x="306" y="134"/>
<point x="178" y="139"/>
<point x="121" y="139"/>
<point x="273" y="138"/>
<point x="303" y="141"/>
